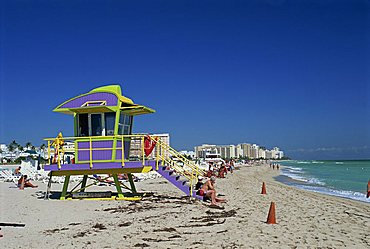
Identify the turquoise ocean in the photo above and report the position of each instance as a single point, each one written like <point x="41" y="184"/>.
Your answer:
<point x="347" y="179"/>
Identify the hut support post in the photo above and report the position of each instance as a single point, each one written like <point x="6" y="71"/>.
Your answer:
<point x="49" y="186"/>
<point x="133" y="189"/>
<point x="83" y="185"/>
<point x="118" y="186"/>
<point x="65" y="187"/>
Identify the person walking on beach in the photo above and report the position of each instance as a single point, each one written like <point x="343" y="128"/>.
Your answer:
<point x="232" y="166"/>
<point x="208" y="190"/>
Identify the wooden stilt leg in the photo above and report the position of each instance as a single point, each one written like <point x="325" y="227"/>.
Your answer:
<point x="118" y="186"/>
<point x="130" y="179"/>
<point x="65" y="187"/>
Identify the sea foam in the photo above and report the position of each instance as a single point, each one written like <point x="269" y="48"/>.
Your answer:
<point x="340" y="193"/>
<point x="297" y="174"/>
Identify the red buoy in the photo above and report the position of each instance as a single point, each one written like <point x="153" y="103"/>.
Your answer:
<point x="149" y="144"/>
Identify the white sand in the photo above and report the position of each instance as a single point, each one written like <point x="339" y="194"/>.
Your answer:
<point x="168" y="220"/>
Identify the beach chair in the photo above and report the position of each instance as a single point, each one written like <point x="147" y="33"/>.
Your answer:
<point x="8" y="176"/>
<point x="34" y="174"/>
<point x="26" y="170"/>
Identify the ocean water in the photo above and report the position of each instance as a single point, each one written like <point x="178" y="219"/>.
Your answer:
<point x="346" y="179"/>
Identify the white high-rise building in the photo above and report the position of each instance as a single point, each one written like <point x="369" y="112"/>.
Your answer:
<point x="268" y="154"/>
<point x="223" y="151"/>
<point x="276" y="153"/>
<point x="261" y="153"/>
<point x="239" y="151"/>
<point x="201" y="151"/>
<point x="231" y="150"/>
<point x="254" y="150"/>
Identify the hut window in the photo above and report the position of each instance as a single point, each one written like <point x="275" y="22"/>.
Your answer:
<point x="109" y="123"/>
<point x="96" y="125"/>
<point x="83" y="125"/>
<point x="125" y="124"/>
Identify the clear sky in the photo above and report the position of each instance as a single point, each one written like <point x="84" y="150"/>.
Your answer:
<point x="293" y="74"/>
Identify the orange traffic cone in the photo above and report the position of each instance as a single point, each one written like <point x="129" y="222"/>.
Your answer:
<point x="263" y="192"/>
<point x="368" y="190"/>
<point x="271" y="217"/>
<point x="21" y="186"/>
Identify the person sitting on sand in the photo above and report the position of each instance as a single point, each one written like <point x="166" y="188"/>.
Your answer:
<point x="199" y="183"/>
<point x="222" y="171"/>
<point x="105" y="180"/>
<point x="27" y="182"/>
<point x="17" y="171"/>
<point x="210" y="169"/>
<point x="208" y="190"/>
<point x="122" y="177"/>
<point x="210" y="166"/>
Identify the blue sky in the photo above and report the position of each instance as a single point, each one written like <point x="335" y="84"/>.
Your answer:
<point x="293" y="74"/>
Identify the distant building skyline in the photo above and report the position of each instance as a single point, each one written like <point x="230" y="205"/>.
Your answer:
<point x="251" y="151"/>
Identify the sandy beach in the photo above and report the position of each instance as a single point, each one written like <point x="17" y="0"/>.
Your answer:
<point x="168" y="219"/>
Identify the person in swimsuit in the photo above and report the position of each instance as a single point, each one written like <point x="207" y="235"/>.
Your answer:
<point x="222" y="171"/>
<point x="17" y="171"/>
<point x="208" y="190"/>
<point x="199" y="184"/>
<point x="27" y="182"/>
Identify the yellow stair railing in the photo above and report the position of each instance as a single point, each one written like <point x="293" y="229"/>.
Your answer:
<point x="182" y="166"/>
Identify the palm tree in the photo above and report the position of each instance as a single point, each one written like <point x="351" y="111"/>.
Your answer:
<point x="42" y="149"/>
<point x="28" y="145"/>
<point x="12" y="146"/>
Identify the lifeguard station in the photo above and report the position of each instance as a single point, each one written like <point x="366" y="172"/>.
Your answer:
<point x="103" y="144"/>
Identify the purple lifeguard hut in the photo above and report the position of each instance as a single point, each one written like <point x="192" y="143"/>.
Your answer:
<point x="103" y="144"/>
